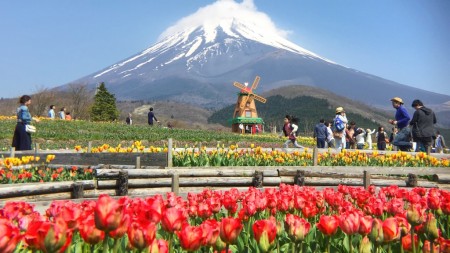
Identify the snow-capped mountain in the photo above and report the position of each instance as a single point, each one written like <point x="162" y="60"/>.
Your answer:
<point x="199" y="64"/>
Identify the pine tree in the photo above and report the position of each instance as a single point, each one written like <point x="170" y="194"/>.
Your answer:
<point x="104" y="108"/>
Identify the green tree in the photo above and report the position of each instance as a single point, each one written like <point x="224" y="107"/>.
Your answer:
<point x="104" y="107"/>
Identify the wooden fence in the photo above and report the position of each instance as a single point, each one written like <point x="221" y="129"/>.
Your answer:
<point x="144" y="174"/>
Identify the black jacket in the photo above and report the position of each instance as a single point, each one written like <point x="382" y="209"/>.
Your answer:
<point x="423" y="122"/>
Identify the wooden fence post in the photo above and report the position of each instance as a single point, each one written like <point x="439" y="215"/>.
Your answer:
<point x="89" y="147"/>
<point x="77" y="190"/>
<point x="13" y="152"/>
<point x="36" y="149"/>
<point x="412" y="180"/>
<point x="122" y="183"/>
<point x="138" y="162"/>
<point x="169" y="153"/>
<point x="176" y="183"/>
<point x="315" y="156"/>
<point x="299" y="178"/>
<point x="366" y="179"/>
<point x="258" y="179"/>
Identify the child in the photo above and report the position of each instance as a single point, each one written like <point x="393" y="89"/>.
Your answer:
<point x="292" y="135"/>
<point x="369" y="137"/>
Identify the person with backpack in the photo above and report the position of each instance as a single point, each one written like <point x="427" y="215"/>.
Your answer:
<point x="293" y="134"/>
<point x="340" y="122"/>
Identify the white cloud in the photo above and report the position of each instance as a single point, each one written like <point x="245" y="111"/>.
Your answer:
<point x="225" y="9"/>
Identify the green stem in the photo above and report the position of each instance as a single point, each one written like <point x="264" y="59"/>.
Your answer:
<point x="171" y="243"/>
<point x="227" y="247"/>
<point x="328" y="244"/>
<point x="116" y="245"/>
<point x="300" y="247"/>
<point x="105" y="244"/>
<point x="413" y="244"/>
<point x="350" y="246"/>
<point x="278" y="245"/>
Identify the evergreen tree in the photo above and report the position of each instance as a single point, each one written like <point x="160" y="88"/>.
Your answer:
<point x="104" y="108"/>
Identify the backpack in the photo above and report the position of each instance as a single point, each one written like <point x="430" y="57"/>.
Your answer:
<point x="339" y="124"/>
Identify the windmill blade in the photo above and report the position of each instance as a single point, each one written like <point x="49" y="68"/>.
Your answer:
<point x="244" y="101"/>
<point x="255" y="83"/>
<point x="259" y="98"/>
<point x="240" y="86"/>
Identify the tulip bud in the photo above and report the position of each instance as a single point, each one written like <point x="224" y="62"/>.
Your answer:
<point x="230" y="228"/>
<point x="376" y="234"/>
<point x="365" y="246"/>
<point x="415" y="215"/>
<point x="431" y="227"/>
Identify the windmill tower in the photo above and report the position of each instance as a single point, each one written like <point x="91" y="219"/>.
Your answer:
<point x="245" y="116"/>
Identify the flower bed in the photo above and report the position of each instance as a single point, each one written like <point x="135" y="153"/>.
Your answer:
<point x="288" y="219"/>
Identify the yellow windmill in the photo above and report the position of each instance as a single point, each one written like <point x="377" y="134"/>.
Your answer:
<point x="245" y="116"/>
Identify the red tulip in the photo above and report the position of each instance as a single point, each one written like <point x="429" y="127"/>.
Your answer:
<point x="9" y="236"/>
<point x="328" y="224"/>
<point x="211" y="232"/>
<point x="265" y="232"/>
<point x="172" y="219"/>
<point x="391" y="230"/>
<point x="297" y="228"/>
<point x="48" y="237"/>
<point x="444" y="245"/>
<point x="427" y="247"/>
<point x="155" y="208"/>
<point x="349" y="222"/>
<point x="191" y="237"/>
<point x="141" y="235"/>
<point x="230" y="228"/>
<point x="108" y="213"/>
<point x="123" y="227"/>
<point x="365" y="225"/>
<point x="159" y="246"/>
<point x="89" y="232"/>
<point x="406" y="243"/>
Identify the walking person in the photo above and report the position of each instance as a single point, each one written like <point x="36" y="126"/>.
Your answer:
<point x="22" y="138"/>
<point x="330" y="137"/>
<point x="293" y="134"/>
<point x="51" y="112"/>
<point x="439" y="143"/>
<point x="320" y="133"/>
<point x="422" y="123"/>
<point x="350" y="136"/>
<point x="151" y="116"/>
<point x="402" y="118"/>
<point x="381" y="138"/>
<point x="340" y="123"/>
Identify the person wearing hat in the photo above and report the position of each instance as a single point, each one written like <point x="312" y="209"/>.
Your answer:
<point x="401" y="121"/>
<point x="339" y="136"/>
<point x="422" y="123"/>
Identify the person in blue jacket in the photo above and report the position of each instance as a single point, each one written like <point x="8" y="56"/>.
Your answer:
<point x="402" y="118"/>
<point x="151" y="116"/>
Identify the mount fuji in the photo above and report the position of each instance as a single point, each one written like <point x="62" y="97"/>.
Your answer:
<point x="198" y="65"/>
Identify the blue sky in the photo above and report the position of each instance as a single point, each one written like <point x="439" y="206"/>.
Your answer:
<point x="48" y="43"/>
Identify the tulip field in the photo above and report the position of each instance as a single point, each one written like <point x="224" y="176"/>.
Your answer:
<point x="288" y="218"/>
<point x="284" y="219"/>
